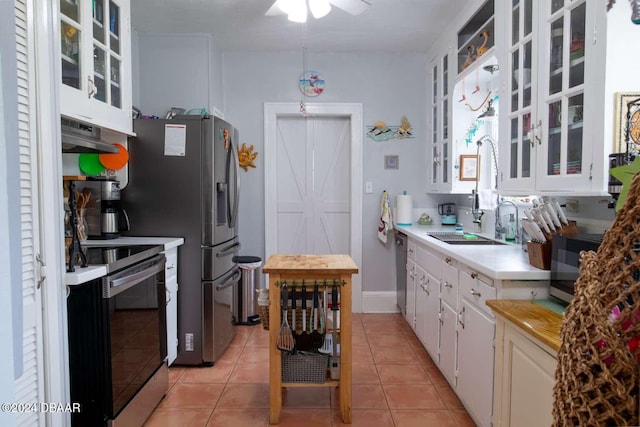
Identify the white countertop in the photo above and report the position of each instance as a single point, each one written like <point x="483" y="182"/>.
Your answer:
<point x="83" y="275"/>
<point x="499" y="262"/>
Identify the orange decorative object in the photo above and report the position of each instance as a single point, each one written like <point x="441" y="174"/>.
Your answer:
<point x="246" y="156"/>
<point x="115" y="161"/>
<point x="483" y="48"/>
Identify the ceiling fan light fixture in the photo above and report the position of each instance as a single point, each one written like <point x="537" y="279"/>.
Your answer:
<point x="319" y="8"/>
<point x="298" y="11"/>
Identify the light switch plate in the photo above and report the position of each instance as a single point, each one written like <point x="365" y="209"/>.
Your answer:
<point x="368" y="187"/>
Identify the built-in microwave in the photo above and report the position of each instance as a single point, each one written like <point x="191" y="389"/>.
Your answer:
<point x="565" y="262"/>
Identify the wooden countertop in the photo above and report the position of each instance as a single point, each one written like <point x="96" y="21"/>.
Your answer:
<point x="331" y="264"/>
<point x="538" y="321"/>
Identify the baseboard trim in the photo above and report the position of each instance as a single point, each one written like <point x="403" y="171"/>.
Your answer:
<point x="379" y="302"/>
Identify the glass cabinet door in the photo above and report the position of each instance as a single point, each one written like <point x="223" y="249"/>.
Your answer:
<point x="562" y="143"/>
<point x="70" y="43"/>
<point x="521" y="97"/>
<point x="440" y="174"/>
<point x="106" y="52"/>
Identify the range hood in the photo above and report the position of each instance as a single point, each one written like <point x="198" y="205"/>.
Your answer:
<point x="78" y="137"/>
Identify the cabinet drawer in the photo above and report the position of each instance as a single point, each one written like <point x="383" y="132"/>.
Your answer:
<point x="430" y="261"/>
<point x="411" y="250"/>
<point x="171" y="267"/>
<point x="449" y="287"/>
<point x="476" y="289"/>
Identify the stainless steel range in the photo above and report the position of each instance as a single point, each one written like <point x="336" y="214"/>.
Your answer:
<point x="117" y="337"/>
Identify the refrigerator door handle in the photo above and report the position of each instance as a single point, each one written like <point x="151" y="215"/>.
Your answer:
<point x="229" y="250"/>
<point x="228" y="280"/>
<point x="233" y="158"/>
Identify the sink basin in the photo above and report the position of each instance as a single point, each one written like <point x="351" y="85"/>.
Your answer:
<point x="457" y="239"/>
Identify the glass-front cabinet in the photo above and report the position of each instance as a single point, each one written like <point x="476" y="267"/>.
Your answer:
<point x="546" y="149"/>
<point x="95" y="53"/>
<point x="439" y="179"/>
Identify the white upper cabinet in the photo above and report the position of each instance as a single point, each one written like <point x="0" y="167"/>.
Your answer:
<point x="95" y="43"/>
<point x="545" y="142"/>
<point x="439" y="151"/>
<point x="563" y="62"/>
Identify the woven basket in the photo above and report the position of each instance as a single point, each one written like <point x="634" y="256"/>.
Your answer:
<point x="304" y="368"/>
<point x="264" y="317"/>
<point x="597" y="373"/>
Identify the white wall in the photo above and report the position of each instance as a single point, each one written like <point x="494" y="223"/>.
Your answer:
<point x="388" y="85"/>
<point x="174" y="70"/>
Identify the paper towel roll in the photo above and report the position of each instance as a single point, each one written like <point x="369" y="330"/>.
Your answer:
<point x="404" y="208"/>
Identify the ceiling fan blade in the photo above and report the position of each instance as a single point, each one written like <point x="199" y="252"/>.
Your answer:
<point x="354" y="7"/>
<point x="274" y="10"/>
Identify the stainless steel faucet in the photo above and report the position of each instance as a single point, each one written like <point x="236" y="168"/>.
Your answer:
<point x="500" y="230"/>
<point x="475" y="201"/>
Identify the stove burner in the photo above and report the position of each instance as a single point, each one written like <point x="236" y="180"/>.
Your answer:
<point x="119" y="257"/>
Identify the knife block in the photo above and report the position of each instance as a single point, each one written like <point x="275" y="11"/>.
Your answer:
<point x="570" y="229"/>
<point x="540" y="254"/>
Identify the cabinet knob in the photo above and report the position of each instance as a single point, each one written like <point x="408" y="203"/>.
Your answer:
<point x="447" y="260"/>
<point x="447" y="285"/>
<point x="474" y="275"/>
<point x="475" y="293"/>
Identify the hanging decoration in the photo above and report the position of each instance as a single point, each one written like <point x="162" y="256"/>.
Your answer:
<point x="635" y="9"/>
<point x="311" y="83"/>
<point x="381" y="132"/>
<point x="246" y="156"/>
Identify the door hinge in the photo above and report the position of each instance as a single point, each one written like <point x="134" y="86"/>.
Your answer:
<point x="595" y="34"/>
<point x="591" y="171"/>
<point x="42" y="272"/>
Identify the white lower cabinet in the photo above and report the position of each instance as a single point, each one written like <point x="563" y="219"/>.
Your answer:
<point x="476" y="332"/>
<point x="446" y="307"/>
<point x="448" y="338"/>
<point x="171" y="284"/>
<point x="525" y="376"/>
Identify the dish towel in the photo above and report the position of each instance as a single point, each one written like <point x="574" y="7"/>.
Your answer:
<point x="386" y="221"/>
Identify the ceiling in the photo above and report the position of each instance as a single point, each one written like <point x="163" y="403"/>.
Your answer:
<point x="386" y="26"/>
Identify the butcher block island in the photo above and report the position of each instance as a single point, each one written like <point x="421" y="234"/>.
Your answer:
<point x="310" y="275"/>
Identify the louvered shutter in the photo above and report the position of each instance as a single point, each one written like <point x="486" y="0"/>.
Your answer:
<point x="29" y="388"/>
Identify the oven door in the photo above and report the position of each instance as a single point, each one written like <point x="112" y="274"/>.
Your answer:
<point x="135" y="304"/>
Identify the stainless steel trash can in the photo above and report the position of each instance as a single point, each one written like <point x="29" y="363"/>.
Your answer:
<point x="245" y="307"/>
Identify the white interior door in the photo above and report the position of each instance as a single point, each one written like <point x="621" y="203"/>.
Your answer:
<point x="313" y="178"/>
<point x="313" y="191"/>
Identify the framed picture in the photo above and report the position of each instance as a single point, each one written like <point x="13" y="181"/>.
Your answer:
<point x="391" y="162"/>
<point x="621" y="109"/>
<point x="469" y="167"/>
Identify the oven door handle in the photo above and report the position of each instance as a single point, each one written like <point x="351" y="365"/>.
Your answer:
<point x="115" y="286"/>
<point x="228" y="280"/>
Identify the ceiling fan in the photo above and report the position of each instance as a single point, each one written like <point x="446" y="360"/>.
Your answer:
<point x="297" y="9"/>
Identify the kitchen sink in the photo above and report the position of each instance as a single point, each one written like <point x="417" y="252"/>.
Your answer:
<point x="459" y="239"/>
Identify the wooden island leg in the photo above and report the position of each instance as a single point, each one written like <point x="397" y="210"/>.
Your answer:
<point x="345" y="349"/>
<point x="275" y="365"/>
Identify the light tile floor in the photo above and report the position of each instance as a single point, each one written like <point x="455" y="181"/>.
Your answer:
<point x="395" y="383"/>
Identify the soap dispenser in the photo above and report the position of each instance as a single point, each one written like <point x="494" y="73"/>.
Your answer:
<point x="510" y="232"/>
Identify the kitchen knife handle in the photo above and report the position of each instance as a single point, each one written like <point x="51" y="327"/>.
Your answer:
<point x="315" y="296"/>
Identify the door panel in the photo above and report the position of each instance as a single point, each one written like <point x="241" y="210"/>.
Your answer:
<point x="313" y="185"/>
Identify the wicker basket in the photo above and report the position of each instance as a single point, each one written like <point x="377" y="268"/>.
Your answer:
<point x="304" y="368"/>
<point x="264" y="317"/>
<point x="597" y="374"/>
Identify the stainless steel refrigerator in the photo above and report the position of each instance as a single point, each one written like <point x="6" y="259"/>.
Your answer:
<point x="183" y="181"/>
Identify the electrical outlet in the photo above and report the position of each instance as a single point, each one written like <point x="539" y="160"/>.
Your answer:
<point x="188" y="342"/>
<point x="572" y="205"/>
